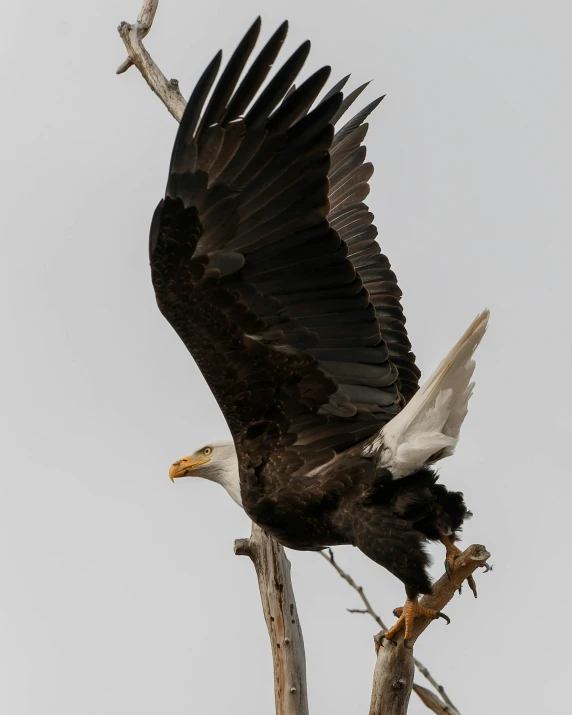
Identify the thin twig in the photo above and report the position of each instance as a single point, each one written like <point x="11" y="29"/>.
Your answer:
<point x="370" y="611"/>
<point x="368" y="607"/>
<point x="447" y="705"/>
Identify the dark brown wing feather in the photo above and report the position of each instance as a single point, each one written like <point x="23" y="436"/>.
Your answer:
<point x="264" y="261"/>
<point x="352" y="220"/>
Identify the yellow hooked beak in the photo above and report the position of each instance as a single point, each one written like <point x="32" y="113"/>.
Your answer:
<point x="184" y="467"/>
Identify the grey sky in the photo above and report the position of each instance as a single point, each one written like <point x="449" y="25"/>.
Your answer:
<point x="120" y="592"/>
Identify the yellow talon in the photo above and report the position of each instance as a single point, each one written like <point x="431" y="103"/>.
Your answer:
<point x="406" y="617"/>
<point x="453" y="553"/>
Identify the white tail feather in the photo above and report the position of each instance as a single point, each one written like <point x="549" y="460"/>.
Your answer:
<point x="427" y="429"/>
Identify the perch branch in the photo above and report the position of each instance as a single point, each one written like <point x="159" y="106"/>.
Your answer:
<point x="393" y="675"/>
<point x="132" y="36"/>
<point x="273" y="571"/>
<point x="370" y="611"/>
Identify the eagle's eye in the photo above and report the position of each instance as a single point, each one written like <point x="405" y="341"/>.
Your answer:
<point x="207" y="451"/>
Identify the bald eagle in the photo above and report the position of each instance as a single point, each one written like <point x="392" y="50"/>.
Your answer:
<point x="264" y="260"/>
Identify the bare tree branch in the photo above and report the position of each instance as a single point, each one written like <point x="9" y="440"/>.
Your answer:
<point x="433" y="702"/>
<point x="393" y="675"/>
<point x="370" y="611"/>
<point x="132" y="35"/>
<point x="143" y="25"/>
<point x="368" y="607"/>
<point x="447" y="704"/>
<point x="273" y="571"/>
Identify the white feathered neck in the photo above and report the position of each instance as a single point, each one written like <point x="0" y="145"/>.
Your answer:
<point x="223" y="468"/>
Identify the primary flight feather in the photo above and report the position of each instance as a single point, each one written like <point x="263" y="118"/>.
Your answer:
<point x="264" y="259"/>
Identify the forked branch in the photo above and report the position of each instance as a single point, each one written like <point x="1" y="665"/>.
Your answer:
<point x="447" y="704"/>
<point x="132" y="35"/>
<point x="393" y="675"/>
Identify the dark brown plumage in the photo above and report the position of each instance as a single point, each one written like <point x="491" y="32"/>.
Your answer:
<point x="264" y="260"/>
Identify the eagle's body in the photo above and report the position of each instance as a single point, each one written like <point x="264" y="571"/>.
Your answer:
<point x="386" y="520"/>
<point x="265" y="262"/>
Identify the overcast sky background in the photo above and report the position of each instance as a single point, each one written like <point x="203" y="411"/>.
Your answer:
<point x="120" y="592"/>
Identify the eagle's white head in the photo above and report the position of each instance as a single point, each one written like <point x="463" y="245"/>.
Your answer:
<point x="216" y="461"/>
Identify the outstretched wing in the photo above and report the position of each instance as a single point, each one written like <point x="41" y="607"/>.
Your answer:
<point x="351" y="218"/>
<point x="264" y="261"/>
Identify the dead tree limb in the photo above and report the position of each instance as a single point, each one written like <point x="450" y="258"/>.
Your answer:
<point x="393" y="675"/>
<point x="432" y="701"/>
<point x="273" y="571"/>
<point x="132" y="36"/>
<point x="447" y="704"/>
<point x="143" y="25"/>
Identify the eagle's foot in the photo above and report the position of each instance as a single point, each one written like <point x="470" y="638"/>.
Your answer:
<point x="453" y="553"/>
<point x="406" y="617"/>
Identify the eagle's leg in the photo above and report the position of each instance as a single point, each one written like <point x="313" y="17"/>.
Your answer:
<point x="453" y="553"/>
<point x="406" y="617"/>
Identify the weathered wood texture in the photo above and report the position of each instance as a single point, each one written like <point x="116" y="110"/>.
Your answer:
<point x="393" y="675"/>
<point x="392" y="680"/>
<point x="446" y="703"/>
<point x="433" y="702"/>
<point x="132" y="36"/>
<point x="279" y="606"/>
